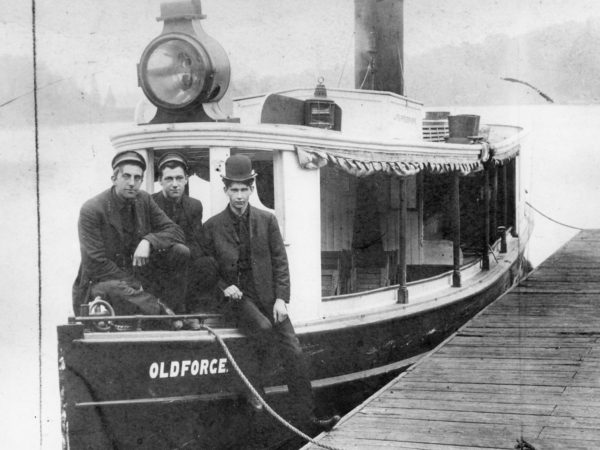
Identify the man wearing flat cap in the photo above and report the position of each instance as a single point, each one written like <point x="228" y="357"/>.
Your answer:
<point x="254" y="277"/>
<point x="126" y="242"/>
<point x="186" y="212"/>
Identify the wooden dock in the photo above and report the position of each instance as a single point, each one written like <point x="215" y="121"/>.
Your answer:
<point x="526" y="369"/>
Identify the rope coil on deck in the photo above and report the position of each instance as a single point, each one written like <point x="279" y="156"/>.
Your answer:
<point x="270" y="410"/>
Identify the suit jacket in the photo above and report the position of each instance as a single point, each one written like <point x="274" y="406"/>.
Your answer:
<point x="190" y="221"/>
<point x="103" y="253"/>
<point x="267" y="252"/>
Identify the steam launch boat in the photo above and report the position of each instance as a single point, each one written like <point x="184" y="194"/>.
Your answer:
<point x="399" y="226"/>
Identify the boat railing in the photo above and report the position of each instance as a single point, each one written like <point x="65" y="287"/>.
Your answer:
<point x="135" y="322"/>
<point x="494" y="249"/>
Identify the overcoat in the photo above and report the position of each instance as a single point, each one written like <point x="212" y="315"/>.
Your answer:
<point x="267" y="252"/>
<point x="103" y="253"/>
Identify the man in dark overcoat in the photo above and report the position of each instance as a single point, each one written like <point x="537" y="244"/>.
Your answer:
<point x="254" y="277"/>
<point x="126" y="241"/>
<point x="186" y="212"/>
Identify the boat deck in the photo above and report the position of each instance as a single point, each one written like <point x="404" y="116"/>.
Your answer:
<point x="526" y="370"/>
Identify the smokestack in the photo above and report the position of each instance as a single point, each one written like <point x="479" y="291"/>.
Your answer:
<point x="379" y="45"/>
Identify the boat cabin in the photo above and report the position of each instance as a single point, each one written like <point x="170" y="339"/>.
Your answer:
<point x="366" y="210"/>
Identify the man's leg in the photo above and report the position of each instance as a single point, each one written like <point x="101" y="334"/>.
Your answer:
<point x="296" y="368"/>
<point x="125" y="298"/>
<point x="167" y="275"/>
<point x="201" y="292"/>
<point x="259" y="330"/>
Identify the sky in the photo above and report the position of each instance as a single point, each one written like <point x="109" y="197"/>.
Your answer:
<point x="265" y="37"/>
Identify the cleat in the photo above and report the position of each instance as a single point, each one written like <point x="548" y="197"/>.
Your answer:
<point x="326" y="423"/>
<point x="191" y="324"/>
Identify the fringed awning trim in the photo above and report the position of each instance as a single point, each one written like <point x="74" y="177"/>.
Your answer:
<point x="364" y="163"/>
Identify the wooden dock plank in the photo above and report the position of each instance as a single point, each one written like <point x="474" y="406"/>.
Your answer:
<point x="527" y="367"/>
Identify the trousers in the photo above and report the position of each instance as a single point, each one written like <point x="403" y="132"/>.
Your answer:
<point x="164" y="279"/>
<point x="267" y="335"/>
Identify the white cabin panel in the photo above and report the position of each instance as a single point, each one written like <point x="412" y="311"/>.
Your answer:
<point x="298" y="209"/>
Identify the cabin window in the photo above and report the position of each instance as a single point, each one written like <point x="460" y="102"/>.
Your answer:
<point x="262" y="163"/>
<point x="471" y="213"/>
<point x="436" y="207"/>
<point x="359" y="230"/>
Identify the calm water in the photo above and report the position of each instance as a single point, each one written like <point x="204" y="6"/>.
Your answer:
<point x="561" y="179"/>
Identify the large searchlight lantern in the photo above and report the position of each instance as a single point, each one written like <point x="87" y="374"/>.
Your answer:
<point x="183" y="68"/>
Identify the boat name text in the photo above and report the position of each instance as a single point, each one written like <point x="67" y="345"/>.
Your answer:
<point x="188" y="367"/>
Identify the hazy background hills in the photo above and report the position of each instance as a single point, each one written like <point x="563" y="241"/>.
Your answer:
<point x="562" y="61"/>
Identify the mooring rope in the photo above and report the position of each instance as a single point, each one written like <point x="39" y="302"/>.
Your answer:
<point x="556" y="221"/>
<point x="248" y="384"/>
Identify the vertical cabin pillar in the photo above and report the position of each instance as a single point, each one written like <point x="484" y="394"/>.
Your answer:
<point x="504" y="224"/>
<point x="218" y="200"/>
<point x="485" y="256"/>
<point x="504" y="195"/>
<point x="402" y="226"/>
<point x="149" y="174"/>
<point x="514" y="194"/>
<point x="298" y="211"/>
<point x="493" y="202"/>
<point x="420" y="212"/>
<point x="456" y="277"/>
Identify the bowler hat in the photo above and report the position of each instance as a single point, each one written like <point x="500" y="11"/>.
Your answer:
<point x="172" y="157"/>
<point x="238" y="168"/>
<point x="129" y="157"/>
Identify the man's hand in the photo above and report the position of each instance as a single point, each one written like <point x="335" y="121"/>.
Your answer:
<point x="142" y="253"/>
<point x="233" y="292"/>
<point x="279" y="311"/>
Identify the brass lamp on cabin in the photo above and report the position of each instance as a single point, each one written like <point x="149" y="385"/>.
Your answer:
<point x="183" y="68"/>
<point x="319" y="111"/>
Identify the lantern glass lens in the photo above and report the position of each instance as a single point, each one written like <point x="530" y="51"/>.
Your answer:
<point x="175" y="72"/>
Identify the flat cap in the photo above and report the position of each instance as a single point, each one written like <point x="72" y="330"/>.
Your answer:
<point x="129" y="157"/>
<point x="172" y="157"/>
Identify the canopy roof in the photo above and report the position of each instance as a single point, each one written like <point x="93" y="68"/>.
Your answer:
<point x="315" y="147"/>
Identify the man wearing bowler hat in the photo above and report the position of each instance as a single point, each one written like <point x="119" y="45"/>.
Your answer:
<point x="186" y="212"/>
<point x="126" y="240"/>
<point x="253" y="275"/>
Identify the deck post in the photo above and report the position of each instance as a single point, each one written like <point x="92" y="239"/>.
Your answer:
<point x="494" y="203"/>
<point x="456" y="281"/>
<point x="420" y="209"/>
<point x="402" y="218"/>
<point x="504" y="195"/>
<point x="485" y="244"/>
<point x="514" y="194"/>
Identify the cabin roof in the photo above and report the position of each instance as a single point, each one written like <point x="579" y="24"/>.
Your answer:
<point x="316" y="147"/>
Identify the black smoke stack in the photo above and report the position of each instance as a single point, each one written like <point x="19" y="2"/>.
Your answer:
<point x="379" y="45"/>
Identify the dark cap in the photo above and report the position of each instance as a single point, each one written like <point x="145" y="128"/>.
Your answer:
<point x="129" y="157"/>
<point x="238" y="168"/>
<point x="172" y="157"/>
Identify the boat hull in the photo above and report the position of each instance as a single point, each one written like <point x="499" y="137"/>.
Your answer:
<point x="171" y="390"/>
